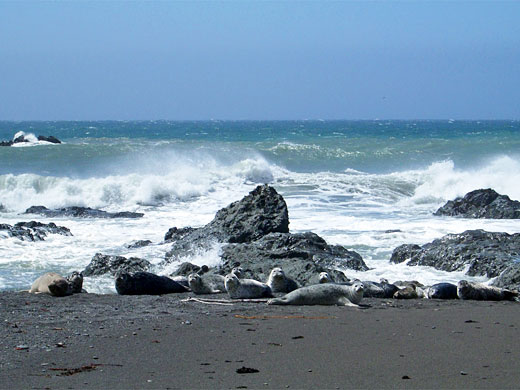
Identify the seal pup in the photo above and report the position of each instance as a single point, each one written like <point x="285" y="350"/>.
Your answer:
<point x="481" y="292"/>
<point x="323" y="294"/>
<point x="246" y="288"/>
<point x="279" y="282"/>
<point x="199" y="286"/>
<point x="51" y="283"/>
<point x="146" y="283"/>
<point x="442" y="291"/>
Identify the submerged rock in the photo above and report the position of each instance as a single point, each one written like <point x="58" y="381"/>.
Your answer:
<point x="34" y="231"/>
<point x="82" y="212"/>
<point x="484" y="203"/>
<point x="50" y="138"/>
<point x="114" y="265"/>
<point x="477" y="252"/>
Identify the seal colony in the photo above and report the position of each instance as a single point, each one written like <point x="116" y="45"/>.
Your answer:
<point x="296" y="269"/>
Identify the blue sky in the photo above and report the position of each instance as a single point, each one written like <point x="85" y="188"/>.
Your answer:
<point x="93" y="60"/>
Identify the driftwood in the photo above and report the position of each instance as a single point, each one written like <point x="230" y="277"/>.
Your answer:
<point x="228" y="302"/>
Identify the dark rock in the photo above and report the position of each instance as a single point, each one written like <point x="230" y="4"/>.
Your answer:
<point x="478" y="252"/>
<point x="509" y="277"/>
<point x="146" y="283"/>
<point x="175" y="234"/>
<point x="6" y="143"/>
<point x="261" y="212"/>
<point x="50" y="139"/>
<point x="114" y="265"/>
<point x="404" y="253"/>
<point x="482" y="204"/>
<point x="187" y="268"/>
<point x="45" y="228"/>
<point x="2" y="208"/>
<point x="138" y="244"/>
<point x="301" y="256"/>
<point x="20" y="139"/>
<point x="34" y="231"/>
<point x="82" y="212"/>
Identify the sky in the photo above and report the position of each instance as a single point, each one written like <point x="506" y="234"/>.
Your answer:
<point x="271" y="60"/>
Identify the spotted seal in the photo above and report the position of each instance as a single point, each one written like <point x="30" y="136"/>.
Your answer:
<point x="51" y="283"/>
<point x="246" y="288"/>
<point x="442" y="291"/>
<point x="481" y="292"/>
<point x="75" y="281"/>
<point x="323" y="294"/>
<point x="279" y="282"/>
<point x="146" y="283"/>
<point x="199" y="286"/>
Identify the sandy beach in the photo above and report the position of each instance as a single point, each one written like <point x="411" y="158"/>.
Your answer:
<point x="164" y="342"/>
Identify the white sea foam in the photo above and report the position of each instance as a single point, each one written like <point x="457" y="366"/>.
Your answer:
<point x="31" y="139"/>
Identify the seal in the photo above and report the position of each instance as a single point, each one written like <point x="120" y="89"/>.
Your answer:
<point x="325" y="277"/>
<point x="381" y="289"/>
<point x="442" y="291"/>
<point x="199" y="286"/>
<point x="323" y="294"/>
<point x="411" y="291"/>
<point x="181" y="280"/>
<point x="481" y="292"/>
<point x="279" y="282"/>
<point x="246" y="288"/>
<point x="51" y="283"/>
<point x="146" y="283"/>
<point x="75" y="281"/>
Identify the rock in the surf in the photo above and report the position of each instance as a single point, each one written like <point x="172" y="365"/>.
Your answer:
<point x="114" y="265"/>
<point x="483" y="203"/>
<point x="477" y="252"/>
<point x="80" y="212"/>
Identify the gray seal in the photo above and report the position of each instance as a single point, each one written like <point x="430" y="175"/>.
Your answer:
<point x="279" y="282"/>
<point x="51" y="283"/>
<point x="323" y="294"/>
<point x="199" y="286"/>
<point x="481" y="292"/>
<point x="246" y="288"/>
<point x="442" y="291"/>
<point x="146" y="283"/>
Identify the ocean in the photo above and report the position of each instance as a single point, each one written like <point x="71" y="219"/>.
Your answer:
<point x="367" y="185"/>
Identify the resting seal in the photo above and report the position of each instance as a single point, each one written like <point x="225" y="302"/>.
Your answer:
<point x="381" y="289"/>
<point x="75" y="281"/>
<point x="199" y="286"/>
<point x="51" y="283"/>
<point x="325" y="278"/>
<point x="323" y="294"/>
<point x="442" y="291"/>
<point x="481" y="292"/>
<point x="279" y="282"/>
<point x="411" y="291"/>
<point x="246" y="288"/>
<point x="146" y="283"/>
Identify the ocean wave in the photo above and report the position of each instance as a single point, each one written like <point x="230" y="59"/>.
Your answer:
<point x="31" y="140"/>
<point x="182" y="182"/>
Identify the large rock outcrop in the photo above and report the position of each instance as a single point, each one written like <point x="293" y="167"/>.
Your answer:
<point x="80" y="212"/>
<point x="477" y="252"/>
<point x="254" y="233"/>
<point x="301" y="256"/>
<point x="261" y="212"/>
<point x="115" y="265"/>
<point x="482" y="204"/>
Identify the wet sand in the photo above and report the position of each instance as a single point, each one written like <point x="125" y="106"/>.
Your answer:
<point x="89" y="341"/>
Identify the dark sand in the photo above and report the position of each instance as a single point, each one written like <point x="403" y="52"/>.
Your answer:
<point x="133" y="342"/>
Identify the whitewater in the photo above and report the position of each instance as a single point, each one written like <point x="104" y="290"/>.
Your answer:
<point x="367" y="185"/>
